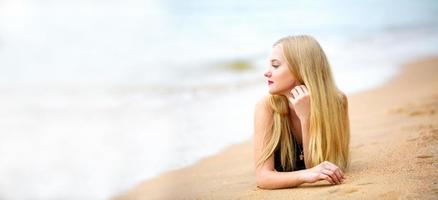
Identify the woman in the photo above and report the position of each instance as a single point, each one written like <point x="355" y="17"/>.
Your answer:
<point x="301" y="129"/>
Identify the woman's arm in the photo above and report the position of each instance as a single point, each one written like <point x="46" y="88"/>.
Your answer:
<point x="266" y="175"/>
<point x="300" y="100"/>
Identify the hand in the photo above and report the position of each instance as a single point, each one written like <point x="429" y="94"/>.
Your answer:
<point x="324" y="171"/>
<point x="300" y="100"/>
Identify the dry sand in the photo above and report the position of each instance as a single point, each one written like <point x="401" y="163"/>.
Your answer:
<point x="394" y="148"/>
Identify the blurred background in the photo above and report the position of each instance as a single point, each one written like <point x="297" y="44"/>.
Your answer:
<point x="97" y="96"/>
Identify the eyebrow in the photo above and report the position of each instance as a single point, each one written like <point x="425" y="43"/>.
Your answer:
<point x="273" y="60"/>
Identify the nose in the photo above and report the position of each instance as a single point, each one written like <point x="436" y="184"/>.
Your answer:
<point x="268" y="74"/>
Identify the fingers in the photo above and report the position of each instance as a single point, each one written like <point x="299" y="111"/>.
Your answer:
<point x="334" y="168"/>
<point x="304" y="88"/>
<point x="299" y="90"/>
<point x="295" y="94"/>
<point x="333" y="171"/>
<point x="332" y="175"/>
<point x="336" y="176"/>
<point x="327" y="178"/>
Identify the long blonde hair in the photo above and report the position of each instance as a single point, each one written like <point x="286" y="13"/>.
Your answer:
<point x="329" y="131"/>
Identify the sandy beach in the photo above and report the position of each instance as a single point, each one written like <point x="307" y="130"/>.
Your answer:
<point x="394" y="148"/>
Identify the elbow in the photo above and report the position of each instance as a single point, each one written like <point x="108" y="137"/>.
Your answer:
<point x="264" y="182"/>
<point x="271" y="180"/>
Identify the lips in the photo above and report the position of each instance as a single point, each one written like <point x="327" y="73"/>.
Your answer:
<point x="270" y="82"/>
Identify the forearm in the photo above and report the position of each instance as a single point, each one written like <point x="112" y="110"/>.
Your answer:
<point x="278" y="180"/>
<point x="305" y="133"/>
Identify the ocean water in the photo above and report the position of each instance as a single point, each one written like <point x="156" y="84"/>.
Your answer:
<point x="97" y="96"/>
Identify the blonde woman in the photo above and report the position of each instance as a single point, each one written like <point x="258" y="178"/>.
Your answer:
<point x="301" y="129"/>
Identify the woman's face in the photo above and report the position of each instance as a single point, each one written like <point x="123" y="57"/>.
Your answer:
<point x="280" y="79"/>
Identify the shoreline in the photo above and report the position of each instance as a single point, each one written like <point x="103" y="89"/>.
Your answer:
<point x="388" y="123"/>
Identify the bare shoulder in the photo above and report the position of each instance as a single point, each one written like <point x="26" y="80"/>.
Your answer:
<point x="263" y="114"/>
<point x="263" y="118"/>
<point x="262" y="106"/>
